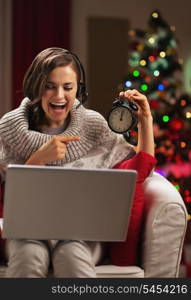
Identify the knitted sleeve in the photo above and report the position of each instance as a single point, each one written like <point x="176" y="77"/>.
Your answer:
<point x="15" y="134"/>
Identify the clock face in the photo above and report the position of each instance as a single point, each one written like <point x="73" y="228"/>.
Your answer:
<point x="120" y="119"/>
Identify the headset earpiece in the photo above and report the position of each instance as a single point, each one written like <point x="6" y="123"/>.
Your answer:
<point x="81" y="92"/>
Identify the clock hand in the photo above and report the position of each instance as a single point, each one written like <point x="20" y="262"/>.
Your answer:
<point x="121" y="117"/>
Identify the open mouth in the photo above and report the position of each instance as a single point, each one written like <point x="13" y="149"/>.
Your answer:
<point x="58" y="105"/>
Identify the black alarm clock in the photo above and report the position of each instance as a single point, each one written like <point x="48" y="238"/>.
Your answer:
<point x="122" y="118"/>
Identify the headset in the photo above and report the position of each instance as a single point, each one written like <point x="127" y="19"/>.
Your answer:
<point x="81" y="94"/>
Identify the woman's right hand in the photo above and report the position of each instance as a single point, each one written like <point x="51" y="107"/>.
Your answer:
<point x="54" y="149"/>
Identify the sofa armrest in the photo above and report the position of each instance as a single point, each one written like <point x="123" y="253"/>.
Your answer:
<point x="165" y="228"/>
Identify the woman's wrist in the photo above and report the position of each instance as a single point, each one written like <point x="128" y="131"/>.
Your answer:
<point x="34" y="160"/>
<point x="145" y="119"/>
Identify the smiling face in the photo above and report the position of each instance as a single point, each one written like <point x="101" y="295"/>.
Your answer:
<point x="59" y="95"/>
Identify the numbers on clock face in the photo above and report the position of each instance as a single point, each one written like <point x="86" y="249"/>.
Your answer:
<point x="120" y="119"/>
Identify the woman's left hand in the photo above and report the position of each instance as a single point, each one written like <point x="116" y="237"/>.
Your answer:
<point x="141" y="101"/>
<point x="145" y="124"/>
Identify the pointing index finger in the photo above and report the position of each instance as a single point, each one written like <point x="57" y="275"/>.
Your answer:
<point x="68" y="138"/>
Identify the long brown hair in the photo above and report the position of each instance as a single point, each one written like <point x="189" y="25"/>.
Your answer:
<point x="35" y="80"/>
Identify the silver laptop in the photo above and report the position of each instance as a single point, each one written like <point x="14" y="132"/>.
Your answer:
<point x="59" y="203"/>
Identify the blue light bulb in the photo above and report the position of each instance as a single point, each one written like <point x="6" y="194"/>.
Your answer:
<point x="160" y="87"/>
<point x="128" y="83"/>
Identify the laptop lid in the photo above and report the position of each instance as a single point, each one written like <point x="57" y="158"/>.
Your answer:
<point x="44" y="202"/>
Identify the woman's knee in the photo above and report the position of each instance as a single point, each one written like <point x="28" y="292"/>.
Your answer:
<point x="27" y="259"/>
<point x="73" y="259"/>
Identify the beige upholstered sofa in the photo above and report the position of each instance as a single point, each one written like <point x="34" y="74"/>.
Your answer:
<point x="163" y="234"/>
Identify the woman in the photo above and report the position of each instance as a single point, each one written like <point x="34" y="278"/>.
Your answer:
<point x="50" y="127"/>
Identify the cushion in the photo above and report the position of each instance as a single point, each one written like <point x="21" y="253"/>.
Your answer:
<point x="111" y="271"/>
<point x="126" y="253"/>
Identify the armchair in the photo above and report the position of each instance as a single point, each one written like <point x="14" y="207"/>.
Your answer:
<point x="165" y="222"/>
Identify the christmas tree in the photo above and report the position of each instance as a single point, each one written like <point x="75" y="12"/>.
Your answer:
<point x="155" y="69"/>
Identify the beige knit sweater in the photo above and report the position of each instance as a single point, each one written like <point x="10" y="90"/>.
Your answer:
<point x="98" y="147"/>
